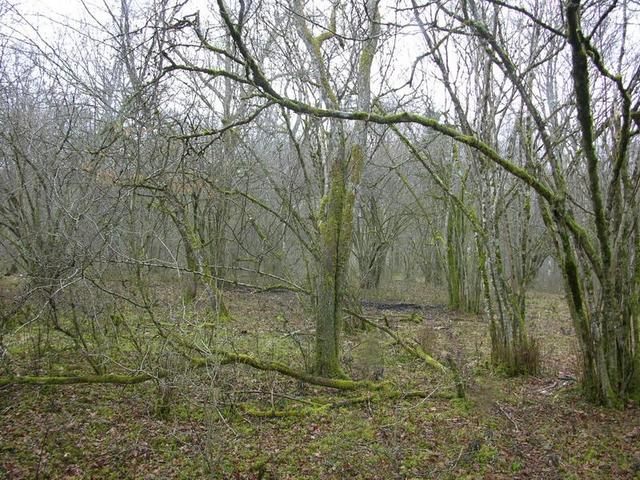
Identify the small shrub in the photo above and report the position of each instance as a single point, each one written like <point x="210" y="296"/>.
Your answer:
<point x="523" y="359"/>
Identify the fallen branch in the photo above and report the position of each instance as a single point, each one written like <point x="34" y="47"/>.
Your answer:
<point x="399" y="317"/>
<point x="226" y="358"/>
<point x="414" y="350"/>
<point x="68" y="380"/>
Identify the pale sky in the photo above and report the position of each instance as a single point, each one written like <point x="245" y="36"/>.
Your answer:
<point x="43" y="15"/>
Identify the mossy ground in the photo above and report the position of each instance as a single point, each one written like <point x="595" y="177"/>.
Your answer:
<point x="535" y="427"/>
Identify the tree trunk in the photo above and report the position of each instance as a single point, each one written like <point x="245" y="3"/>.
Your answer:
<point x="455" y="267"/>
<point x="608" y="338"/>
<point x="335" y="233"/>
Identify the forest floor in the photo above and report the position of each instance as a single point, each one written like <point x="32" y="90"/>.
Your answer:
<point x="515" y="428"/>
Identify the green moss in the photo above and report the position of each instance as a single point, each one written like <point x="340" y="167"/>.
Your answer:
<point x="590" y="454"/>
<point x="486" y="454"/>
<point x="516" y="466"/>
<point x="415" y="461"/>
<point x="187" y="412"/>
<point x="357" y="159"/>
<point x="462" y="405"/>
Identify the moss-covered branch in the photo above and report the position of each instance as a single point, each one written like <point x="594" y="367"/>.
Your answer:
<point x="69" y="380"/>
<point x="580" y="74"/>
<point x="226" y="358"/>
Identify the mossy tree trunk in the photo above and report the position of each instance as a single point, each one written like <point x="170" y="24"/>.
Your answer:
<point x="343" y="171"/>
<point x="602" y="283"/>
<point x="335" y="241"/>
<point x="455" y="257"/>
<point x="605" y="320"/>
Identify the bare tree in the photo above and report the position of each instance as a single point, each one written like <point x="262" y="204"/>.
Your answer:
<point x="598" y="254"/>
